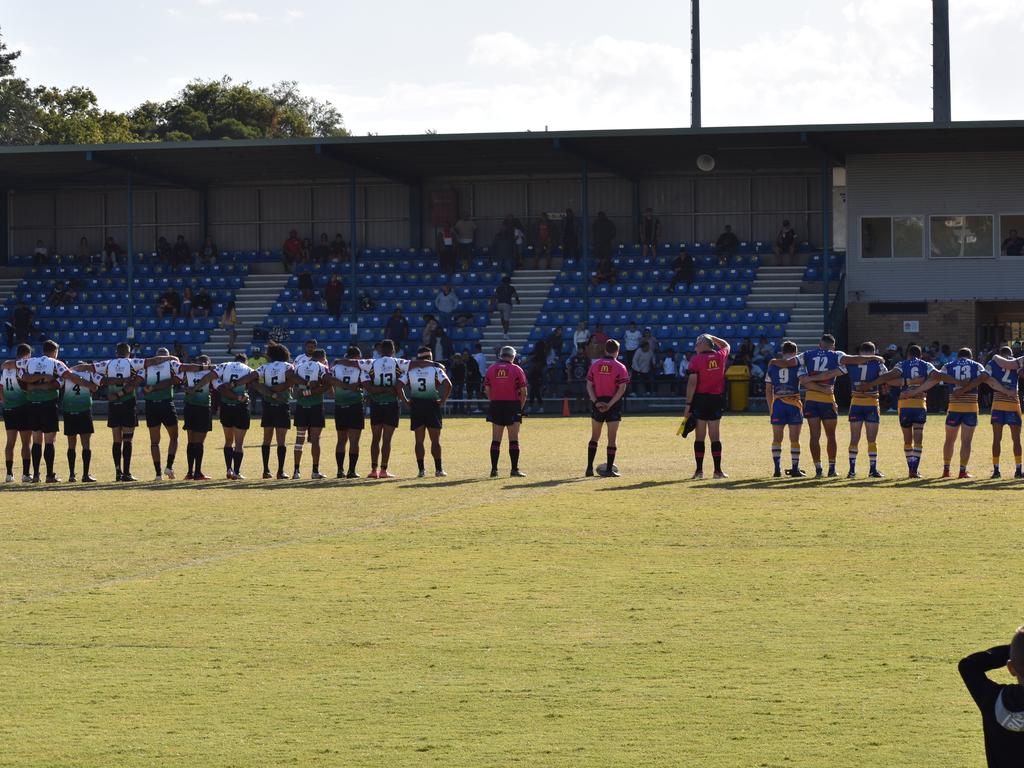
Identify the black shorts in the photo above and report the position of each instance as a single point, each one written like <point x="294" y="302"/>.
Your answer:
<point x="385" y="414"/>
<point x="122" y="414"/>
<point x="234" y="416"/>
<point x="505" y="412"/>
<point x="161" y="413"/>
<point x="275" y="415"/>
<point x="198" y="418"/>
<point x="44" y="416"/>
<point x="16" y="418"/>
<point x="424" y="413"/>
<point x="309" y="416"/>
<point x="612" y="414"/>
<point x="348" y="417"/>
<point x="78" y="423"/>
<point x="706" y="407"/>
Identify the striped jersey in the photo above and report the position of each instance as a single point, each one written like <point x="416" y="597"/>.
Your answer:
<point x="425" y="382"/>
<point x="227" y="375"/>
<point x="310" y="371"/>
<point x="201" y="396"/>
<point x="348" y="374"/>
<point x="964" y="370"/>
<point x="385" y="372"/>
<point x="914" y="371"/>
<point x="78" y="399"/>
<point x="120" y="368"/>
<point x="155" y="374"/>
<point x="10" y="380"/>
<point x="271" y="375"/>
<point x="49" y="367"/>
<point x="1008" y="378"/>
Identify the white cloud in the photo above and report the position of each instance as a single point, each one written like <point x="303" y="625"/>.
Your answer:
<point x="172" y="11"/>
<point x="294" y="15"/>
<point x="244" y="17"/>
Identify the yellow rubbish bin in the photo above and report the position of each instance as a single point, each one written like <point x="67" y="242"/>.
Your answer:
<point x="738" y="377"/>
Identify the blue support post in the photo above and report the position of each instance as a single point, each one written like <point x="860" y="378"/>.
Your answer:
<point x="585" y="204"/>
<point x="416" y="216"/>
<point x="130" y="244"/>
<point x="354" y="278"/>
<point x="826" y="195"/>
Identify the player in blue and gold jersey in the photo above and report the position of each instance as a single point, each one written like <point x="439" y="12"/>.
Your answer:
<point x="864" y="410"/>
<point x="782" y="391"/>
<point x="1005" y="408"/>
<point x="912" y="411"/>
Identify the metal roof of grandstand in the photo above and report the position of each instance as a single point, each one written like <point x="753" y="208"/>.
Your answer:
<point x="627" y="153"/>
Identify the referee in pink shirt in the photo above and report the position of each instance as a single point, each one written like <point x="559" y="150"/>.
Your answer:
<point x="607" y="380"/>
<point x="705" y="398"/>
<point x="505" y="386"/>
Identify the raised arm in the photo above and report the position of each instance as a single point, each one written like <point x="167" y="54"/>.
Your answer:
<point x="973" y="671"/>
<point x="1007" y="363"/>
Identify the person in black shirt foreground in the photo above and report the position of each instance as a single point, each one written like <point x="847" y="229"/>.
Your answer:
<point x="1002" y="706"/>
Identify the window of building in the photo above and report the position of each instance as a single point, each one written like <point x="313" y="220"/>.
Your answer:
<point x="966" y="237"/>
<point x="908" y="237"/>
<point x="1011" y="234"/>
<point x="884" y="237"/>
<point x="876" y="237"/>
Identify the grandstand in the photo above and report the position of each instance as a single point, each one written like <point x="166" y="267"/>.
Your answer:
<point x="387" y="196"/>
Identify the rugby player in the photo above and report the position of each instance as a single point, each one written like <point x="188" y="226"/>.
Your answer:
<point x="42" y="377"/>
<point x="79" y="385"/>
<point x="912" y="411"/>
<point x="607" y="381"/>
<point x="309" y="346"/>
<point x="198" y="416"/>
<point x="121" y="376"/>
<point x="386" y="376"/>
<point x="429" y="388"/>
<point x="1005" y="410"/>
<point x="864" y="408"/>
<point x="782" y="391"/>
<point x="235" y="418"/>
<point x="505" y="388"/>
<point x="272" y="384"/>
<point x="705" y="398"/>
<point x="12" y="394"/>
<point x="309" y="376"/>
<point x="158" y="395"/>
<point x="346" y="378"/>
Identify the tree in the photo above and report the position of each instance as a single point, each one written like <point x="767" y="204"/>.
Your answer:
<point x="18" y="112"/>
<point x="72" y="116"/>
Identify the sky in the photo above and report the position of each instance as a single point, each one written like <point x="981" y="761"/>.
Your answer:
<point x="404" y="67"/>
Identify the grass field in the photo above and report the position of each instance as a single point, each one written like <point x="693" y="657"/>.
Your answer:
<point x="550" y="621"/>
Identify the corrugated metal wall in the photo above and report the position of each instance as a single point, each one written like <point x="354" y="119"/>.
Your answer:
<point x="927" y="185"/>
<point x="241" y="218"/>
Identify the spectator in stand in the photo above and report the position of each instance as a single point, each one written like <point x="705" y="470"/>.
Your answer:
<point x="518" y="239"/>
<point x="596" y="342"/>
<point x="503" y="247"/>
<point x="291" y="251"/>
<point x="202" y="304"/>
<point x="446" y="249"/>
<point x="83" y="256"/>
<point x="555" y="342"/>
<point x="650" y="232"/>
<point x="605" y="272"/>
<point x="431" y="332"/>
<point x="208" y="253"/>
<point x="164" y="251"/>
<point x="631" y="342"/>
<point x="603" y="231"/>
<point x="446" y="302"/>
<point x="581" y="335"/>
<point x="306" y="254"/>
<point x="22" y="323"/>
<point x="112" y="253"/>
<point x="180" y="352"/>
<point x="643" y="367"/>
<point x="457" y="376"/>
<point x="397" y="329"/>
<point x="229" y="322"/>
<point x="669" y="371"/>
<point x="305" y="273"/>
<point x="570" y="236"/>
<point x="682" y="271"/>
<point x="785" y="244"/>
<point x="465" y="236"/>
<point x="1013" y="245"/>
<point x="59" y="295"/>
<point x="181" y="254"/>
<point x="542" y="244"/>
<point x="503" y="297"/>
<point x="649" y="339"/>
<point x="536" y="369"/>
<point x="321" y="253"/>
<point x="576" y="369"/>
<point x="476" y="367"/>
<point x="726" y="245"/>
<point x="40" y="255"/>
<point x="334" y="291"/>
<point x="746" y="348"/>
<point x="946" y="356"/>
<point x="170" y="303"/>
<point x="186" y="303"/>
<point x="765" y="351"/>
<point x="339" y="249"/>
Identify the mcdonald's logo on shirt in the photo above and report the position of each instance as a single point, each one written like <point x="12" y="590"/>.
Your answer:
<point x="502" y="373"/>
<point x="606" y="369"/>
<point x="712" y="365"/>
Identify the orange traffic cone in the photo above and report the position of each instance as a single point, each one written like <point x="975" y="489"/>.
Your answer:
<point x="565" y="406"/>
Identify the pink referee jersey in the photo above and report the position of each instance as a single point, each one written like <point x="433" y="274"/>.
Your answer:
<point x="607" y="375"/>
<point x="710" y="370"/>
<point x="505" y="381"/>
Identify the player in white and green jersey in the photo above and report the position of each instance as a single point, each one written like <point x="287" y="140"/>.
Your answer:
<point x="78" y="385"/>
<point x="42" y="377"/>
<point x="310" y="378"/>
<point x="158" y="383"/>
<point x="346" y="378"/>
<point x="12" y="394"/>
<point x="232" y="380"/>
<point x="198" y="416"/>
<point x="429" y="388"/>
<point x="271" y="385"/>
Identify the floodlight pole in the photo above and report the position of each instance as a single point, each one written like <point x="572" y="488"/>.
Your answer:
<point x="942" y="111"/>
<point x="585" y="204"/>
<point x="354" y="278"/>
<point x="130" y="244"/>
<point x="826" y="270"/>
<point x="695" y="63"/>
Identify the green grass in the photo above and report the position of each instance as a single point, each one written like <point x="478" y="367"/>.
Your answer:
<point x="551" y="621"/>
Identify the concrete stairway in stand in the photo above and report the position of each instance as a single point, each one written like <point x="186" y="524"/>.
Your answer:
<point x="533" y="286"/>
<point x="253" y="302"/>
<point x="779" y="288"/>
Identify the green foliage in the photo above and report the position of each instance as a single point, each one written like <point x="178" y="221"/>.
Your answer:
<point x="204" y="109"/>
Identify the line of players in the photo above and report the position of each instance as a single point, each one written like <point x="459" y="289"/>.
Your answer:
<point x="816" y="370"/>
